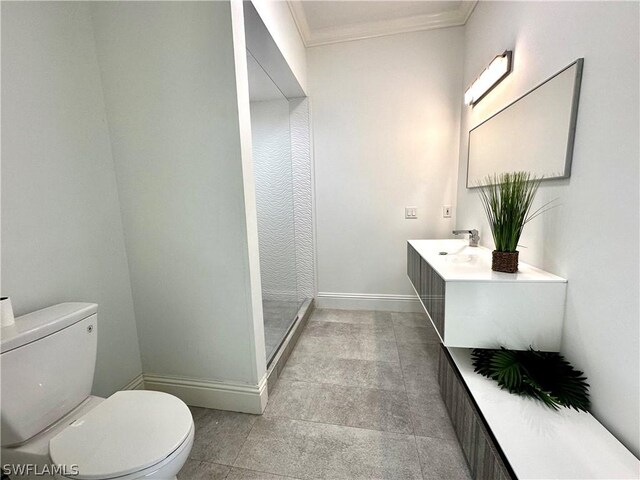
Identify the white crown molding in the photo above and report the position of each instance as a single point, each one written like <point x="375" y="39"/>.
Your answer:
<point x="300" y="19"/>
<point x="467" y="8"/>
<point x="360" y="31"/>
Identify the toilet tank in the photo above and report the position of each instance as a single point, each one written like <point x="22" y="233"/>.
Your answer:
<point x="47" y="364"/>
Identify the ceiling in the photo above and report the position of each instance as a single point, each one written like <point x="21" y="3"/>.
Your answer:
<point x="327" y="21"/>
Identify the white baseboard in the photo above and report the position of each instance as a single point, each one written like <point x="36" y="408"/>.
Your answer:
<point x="212" y="394"/>
<point x="136" y="384"/>
<point x="366" y="301"/>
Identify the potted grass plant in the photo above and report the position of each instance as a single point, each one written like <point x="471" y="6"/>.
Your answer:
<point x="507" y="199"/>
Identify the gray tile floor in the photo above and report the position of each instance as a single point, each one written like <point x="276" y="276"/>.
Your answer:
<point x="358" y="399"/>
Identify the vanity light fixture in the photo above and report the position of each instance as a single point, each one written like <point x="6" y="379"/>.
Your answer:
<point x="497" y="70"/>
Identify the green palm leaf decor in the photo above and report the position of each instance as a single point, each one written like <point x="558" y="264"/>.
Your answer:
<point x="545" y="376"/>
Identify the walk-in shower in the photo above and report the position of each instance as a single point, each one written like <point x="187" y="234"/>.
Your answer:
<point x="275" y="185"/>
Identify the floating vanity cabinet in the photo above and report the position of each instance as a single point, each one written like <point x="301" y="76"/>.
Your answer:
<point x="472" y="306"/>
<point x="429" y="286"/>
<point x="432" y="289"/>
<point x="413" y="265"/>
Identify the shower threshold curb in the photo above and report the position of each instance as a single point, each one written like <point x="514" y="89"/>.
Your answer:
<point x="286" y="347"/>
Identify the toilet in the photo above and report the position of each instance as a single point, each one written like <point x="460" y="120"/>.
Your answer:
<point x="50" y="421"/>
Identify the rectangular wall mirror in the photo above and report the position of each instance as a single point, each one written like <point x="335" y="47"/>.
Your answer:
<point x="534" y="133"/>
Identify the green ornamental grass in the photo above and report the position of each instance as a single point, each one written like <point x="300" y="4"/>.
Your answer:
<point x="507" y="199"/>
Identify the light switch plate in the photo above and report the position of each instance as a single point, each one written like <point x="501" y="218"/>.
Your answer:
<point x="411" y="212"/>
<point x="446" y="211"/>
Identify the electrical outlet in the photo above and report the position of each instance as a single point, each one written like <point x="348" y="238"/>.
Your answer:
<point x="411" y="212"/>
<point x="446" y="211"/>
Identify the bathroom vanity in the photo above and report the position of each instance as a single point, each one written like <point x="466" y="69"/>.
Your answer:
<point x="505" y="436"/>
<point x="472" y="306"/>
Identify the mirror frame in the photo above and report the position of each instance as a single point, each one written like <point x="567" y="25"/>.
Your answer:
<point x="572" y="122"/>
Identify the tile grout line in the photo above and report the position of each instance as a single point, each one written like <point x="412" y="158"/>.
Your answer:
<point x="215" y="463"/>
<point x="393" y="323"/>
<point x="233" y="464"/>
<point x="356" y="359"/>
<point x="413" y="428"/>
<point x="316" y="422"/>
<point x="345" y="386"/>
<point x="271" y="415"/>
<point x="368" y="387"/>
<point x="340" y="385"/>
<point x="261" y="471"/>
<point x="315" y="355"/>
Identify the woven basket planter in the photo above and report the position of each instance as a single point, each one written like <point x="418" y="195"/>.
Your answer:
<point x="504" y="262"/>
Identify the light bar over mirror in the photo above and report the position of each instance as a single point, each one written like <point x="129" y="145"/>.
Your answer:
<point x="535" y="133"/>
<point x="499" y="68"/>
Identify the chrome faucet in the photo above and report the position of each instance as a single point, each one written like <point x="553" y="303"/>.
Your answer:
<point x="474" y="238"/>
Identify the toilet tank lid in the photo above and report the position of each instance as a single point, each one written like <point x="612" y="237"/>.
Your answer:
<point x="39" y="324"/>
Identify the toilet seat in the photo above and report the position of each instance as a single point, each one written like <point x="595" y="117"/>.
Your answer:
<point x="129" y="432"/>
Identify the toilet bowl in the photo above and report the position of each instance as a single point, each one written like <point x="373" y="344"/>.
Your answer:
<point x="51" y="422"/>
<point x="132" y="434"/>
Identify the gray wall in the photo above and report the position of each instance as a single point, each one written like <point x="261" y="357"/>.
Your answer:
<point x="62" y="237"/>
<point x="592" y="237"/>
<point x="168" y="72"/>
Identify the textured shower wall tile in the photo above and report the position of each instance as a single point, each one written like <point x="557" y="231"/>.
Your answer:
<point x="302" y="195"/>
<point x="274" y="198"/>
<point x="283" y="180"/>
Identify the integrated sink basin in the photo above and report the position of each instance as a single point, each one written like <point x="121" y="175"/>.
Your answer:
<point x="454" y="259"/>
<point x="472" y="306"/>
<point x="466" y="258"/>
<point x="462" y="254"/>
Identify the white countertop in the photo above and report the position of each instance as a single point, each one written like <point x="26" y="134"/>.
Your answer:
<point x="541" y="443"/>
<point x="465" y="263"/>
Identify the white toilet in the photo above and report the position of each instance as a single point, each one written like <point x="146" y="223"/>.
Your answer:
<point x="52" y="423"/>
